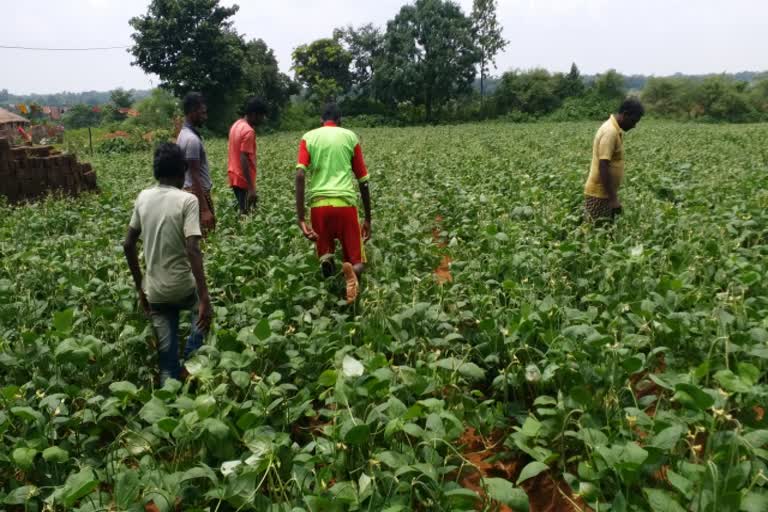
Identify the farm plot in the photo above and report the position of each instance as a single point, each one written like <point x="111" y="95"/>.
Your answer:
<point x="503" y="355"/>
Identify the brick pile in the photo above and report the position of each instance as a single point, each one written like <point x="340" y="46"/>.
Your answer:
<point x="31" y="172"/>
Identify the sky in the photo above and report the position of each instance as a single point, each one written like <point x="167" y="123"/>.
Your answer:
<point x="653" y="37"/>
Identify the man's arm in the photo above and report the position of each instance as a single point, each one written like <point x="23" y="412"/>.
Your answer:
<point x="207" y="219"/>
<point x="607" y="181"/>
<point x="365" y="195"/>
<point x="300" y="208"/>
<point x="246" y="170"/>
<point x="193" y="166"/>
<point x="361" y="173"/>
<point x="132" y="256"/>
<point x="303" y="161"/>
<point x="195" y="256"/>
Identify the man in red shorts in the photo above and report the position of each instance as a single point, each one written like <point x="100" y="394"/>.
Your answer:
<point x="333" y="157"/>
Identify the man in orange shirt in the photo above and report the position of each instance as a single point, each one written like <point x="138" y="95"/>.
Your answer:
<point x="241" y="165"/>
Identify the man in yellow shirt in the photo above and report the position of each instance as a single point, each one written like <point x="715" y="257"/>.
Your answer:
<point x="607" y="170"/>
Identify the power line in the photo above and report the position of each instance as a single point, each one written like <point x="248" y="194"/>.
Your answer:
<point x="4" y="47"/>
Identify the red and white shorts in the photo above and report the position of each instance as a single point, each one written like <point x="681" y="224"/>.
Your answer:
<point x="341" y="223"/>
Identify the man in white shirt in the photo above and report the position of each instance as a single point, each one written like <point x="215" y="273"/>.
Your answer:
<point x="167" y="219"/>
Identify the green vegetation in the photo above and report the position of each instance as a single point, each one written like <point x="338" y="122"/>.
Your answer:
<point x="629" y="363"/>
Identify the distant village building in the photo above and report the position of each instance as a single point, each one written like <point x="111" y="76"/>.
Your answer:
<point x="10" y="123"/>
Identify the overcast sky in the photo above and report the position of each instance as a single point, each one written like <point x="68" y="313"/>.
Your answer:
<point x="640" y="36"/>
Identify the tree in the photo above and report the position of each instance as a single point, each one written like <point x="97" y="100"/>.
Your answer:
<point x="263" y="78"/>
<point x="487" y="36"/>
<point x="531" y="92"/>
<point x="159" y="110"/>
<point x="82" y="116"/>
<point x="668" y="96"/>
<point x="570" y="84"/>
<point x="323" y="67"/>
<point x="365" y="45"/>
<point x="121" y="98"/>
<point x="429" y="55"/>
<point x="610" y="86"/>
<point x="191" y="46"/>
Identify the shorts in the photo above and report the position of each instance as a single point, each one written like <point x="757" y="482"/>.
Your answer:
<point x="341" y="223"/>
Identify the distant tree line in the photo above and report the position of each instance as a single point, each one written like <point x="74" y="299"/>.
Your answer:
<point x="430" y="63"/>
<point x="65" y="99"/>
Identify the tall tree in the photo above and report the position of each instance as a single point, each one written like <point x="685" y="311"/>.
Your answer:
<point x="191" y="45"/>
<point x="429" y="55"/>
<point x="488" y="36"/>
<point x="121" y="98"/>
<point x="323" y="67"/>
<point x="366" y="45"/>
<point x="263" y="77"/>
<point x="570" y="84"/>
<point x="610" y="86"/>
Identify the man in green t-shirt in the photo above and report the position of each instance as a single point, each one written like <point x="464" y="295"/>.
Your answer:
<point x="333" y="157"/>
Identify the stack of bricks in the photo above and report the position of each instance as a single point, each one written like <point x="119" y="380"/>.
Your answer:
<point x="31" y="172"/>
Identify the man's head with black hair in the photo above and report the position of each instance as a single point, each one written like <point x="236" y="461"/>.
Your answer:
<point x="331" y="112"/>
<point x="195" y="109"/>
<point x="629" y="114"/>
<point x="255" y="111"/>
<point x="169" y="165"/>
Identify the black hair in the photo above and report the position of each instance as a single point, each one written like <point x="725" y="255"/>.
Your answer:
<point x="331" y="112"/>
<point x="192" y="102"/>
<point x="255" y="105"/>
<point x="633" y="107"/>
<point x="169" y="161"/>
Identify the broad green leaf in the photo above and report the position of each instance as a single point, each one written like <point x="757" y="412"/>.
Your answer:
<point x="263" y="330"/>
<point x="55" y="455"/>
<point x="28" y="414"/>
<point x="241" y="379"/>
<point x="749" y="373"/>
<point x="531" y="470"/>
<point x="327" y="378"/>
<point x="505" y="492"/>
<point x="21" y="495"/>
<point x="153" y="411"/>
<point x="79" y="485"/>
<point x="63" y="320"/>
<point x="24" y="457"/>
<point x="694" y="396"/>
<point x="205" y="405"/>
<point x="531" y="427"/>
<point x="757" y="438"/>
<point x="754" y="502"/>
<point x="682" y="484"/>
<point x="667" y="439"/>
<point x="217" y="428"/>
<point x="123" y="389"/>
<point x="731" y="382"/>
<point x="127" y="489"/>
<point x="358" y="435"/>
<point x="199" y="472"/>
<point x="662" y="501"/>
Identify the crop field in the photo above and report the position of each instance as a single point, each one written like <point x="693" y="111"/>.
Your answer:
<point x="503" y="355"/>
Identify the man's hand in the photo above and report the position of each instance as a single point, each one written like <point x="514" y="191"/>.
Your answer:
<point x="308" y="232"/>
<point x="204" y="314"/>
<point x="144" y="303"/>
<point x="366" y="230"/>
<point x="207" y="220"/>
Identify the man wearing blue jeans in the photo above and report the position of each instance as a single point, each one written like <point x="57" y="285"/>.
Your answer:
<point x="167" y="219"/>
